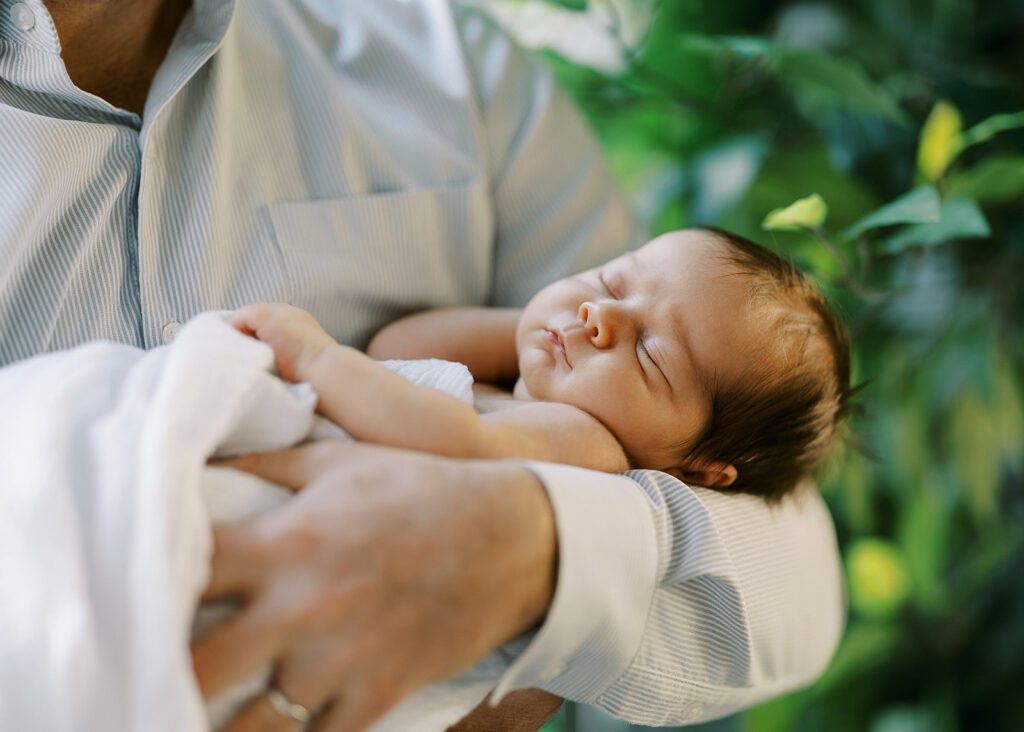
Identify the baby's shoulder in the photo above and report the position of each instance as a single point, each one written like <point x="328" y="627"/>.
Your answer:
<point x="489" y="398"/>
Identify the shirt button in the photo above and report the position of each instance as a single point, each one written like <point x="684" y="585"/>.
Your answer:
<point x="23" y="17"/>
<point x="170" y="330"/>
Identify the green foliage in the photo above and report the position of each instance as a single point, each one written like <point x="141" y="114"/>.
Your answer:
<point x="905" y="118"/>
<point x="995" y="180"/>
<point x="959" y="218"/>
<point x="919" y="206"/>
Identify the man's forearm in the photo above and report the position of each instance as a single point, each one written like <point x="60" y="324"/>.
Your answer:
<point x="515" y="509"/>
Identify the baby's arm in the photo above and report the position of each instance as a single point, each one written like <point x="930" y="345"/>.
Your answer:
<point x="482" y="338"/>
<point x="377" y="405"/>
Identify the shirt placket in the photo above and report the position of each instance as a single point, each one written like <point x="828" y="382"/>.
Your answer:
<point x="163" y="309"/>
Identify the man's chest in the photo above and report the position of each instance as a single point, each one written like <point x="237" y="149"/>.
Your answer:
<point x="271" y="174"/>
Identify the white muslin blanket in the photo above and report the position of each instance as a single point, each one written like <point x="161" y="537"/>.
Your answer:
<point x="106" y="504"/>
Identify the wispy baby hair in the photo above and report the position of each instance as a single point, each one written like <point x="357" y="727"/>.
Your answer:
<point x="778" y="427"/>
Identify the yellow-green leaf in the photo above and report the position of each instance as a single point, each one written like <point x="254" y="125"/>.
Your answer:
<point x="941" y="140"/>
<point x="879" y="585"/>
<point x="807" y="213"/>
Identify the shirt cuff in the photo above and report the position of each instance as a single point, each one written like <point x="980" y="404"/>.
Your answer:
<point x="607" y="572"/>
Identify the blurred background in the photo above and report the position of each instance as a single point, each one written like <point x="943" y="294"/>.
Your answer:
<point x="896" y="128"/>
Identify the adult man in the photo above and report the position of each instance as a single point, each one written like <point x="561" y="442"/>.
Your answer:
<point x="363" y="160"/>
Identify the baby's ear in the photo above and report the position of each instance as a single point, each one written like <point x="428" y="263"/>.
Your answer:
<point x="708" y="475"/>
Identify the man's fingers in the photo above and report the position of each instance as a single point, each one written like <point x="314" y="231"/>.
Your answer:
<point x="233" y="651"/>
<point x="293" y="468"/>
<point x="260" y="716"/>
<point x="349" y="714"/>
<point x="235" y="567"/>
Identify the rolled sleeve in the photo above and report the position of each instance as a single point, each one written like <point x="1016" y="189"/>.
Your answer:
<point x="676" y="605"/>
<point x="607" y="573"/>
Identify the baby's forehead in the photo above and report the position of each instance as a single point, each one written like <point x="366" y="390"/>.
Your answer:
<point x="688" y="250"/>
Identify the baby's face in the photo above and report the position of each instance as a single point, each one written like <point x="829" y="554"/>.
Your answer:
<point x="638" y="341"/>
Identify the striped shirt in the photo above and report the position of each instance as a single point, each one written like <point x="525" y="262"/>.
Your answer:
<point x="364" y="160"/>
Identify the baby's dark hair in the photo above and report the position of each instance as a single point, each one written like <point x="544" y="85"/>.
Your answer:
<point x="778" y="427"/>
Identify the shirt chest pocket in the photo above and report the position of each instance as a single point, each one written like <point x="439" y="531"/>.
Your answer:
<point x="357" y="263"/>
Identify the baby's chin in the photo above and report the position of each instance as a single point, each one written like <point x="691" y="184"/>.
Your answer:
<point x="529" y="385"/>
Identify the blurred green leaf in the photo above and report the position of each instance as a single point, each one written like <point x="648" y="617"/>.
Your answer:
<point x="993" y="180"/>
<point x="864" y="646"/>
<point x="989" y="128"/>
<point x="909" y="450"/>
<point x="989" y="560"/>
<point x="878" y="578"/>
<point x="806" y="213"/>
<point x="849" y="482"/>
<point x="744" y="47"/>
<point x="823" y="84"/>
<point x="941" y="140"/>
<point x="776" y="714"/>
<point x="919" y="206"/>
<point x="961" y="219"/>
<point x="904" y="719"/>
<point x="924" y="537"/>
<point x="973" y="441"/>
<point x="1008" y="413"/>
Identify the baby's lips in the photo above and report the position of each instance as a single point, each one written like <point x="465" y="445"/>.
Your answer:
<point x="557" y="341"/>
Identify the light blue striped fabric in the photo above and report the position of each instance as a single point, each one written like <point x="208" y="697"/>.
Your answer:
<point x="364" y="160"/>
<point x="345" y="157"/>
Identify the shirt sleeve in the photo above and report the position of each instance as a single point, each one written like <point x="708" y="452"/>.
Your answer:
<point x="557" y="210"/>
<point x="677" y="605"/>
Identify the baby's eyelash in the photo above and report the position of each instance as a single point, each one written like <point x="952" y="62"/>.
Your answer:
<point x="604" y="283"/>
<point x="643" y="347"/>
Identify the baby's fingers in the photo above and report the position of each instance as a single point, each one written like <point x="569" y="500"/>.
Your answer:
<point x="250" y="318"/>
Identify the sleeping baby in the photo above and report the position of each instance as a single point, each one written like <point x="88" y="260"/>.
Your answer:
<point x="700" y="354"/>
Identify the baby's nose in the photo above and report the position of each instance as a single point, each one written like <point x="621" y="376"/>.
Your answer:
<point x="597" y="319"/>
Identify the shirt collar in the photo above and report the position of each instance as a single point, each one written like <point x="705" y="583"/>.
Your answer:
<point x="28" y="23"/>
<point x="27" y="29"/>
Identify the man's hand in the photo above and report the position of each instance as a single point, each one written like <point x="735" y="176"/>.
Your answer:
<point x="294" y="334"/>
<point x="387" y="571"/>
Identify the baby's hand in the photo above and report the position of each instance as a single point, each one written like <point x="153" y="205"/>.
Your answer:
<point x="294" y="334"/>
